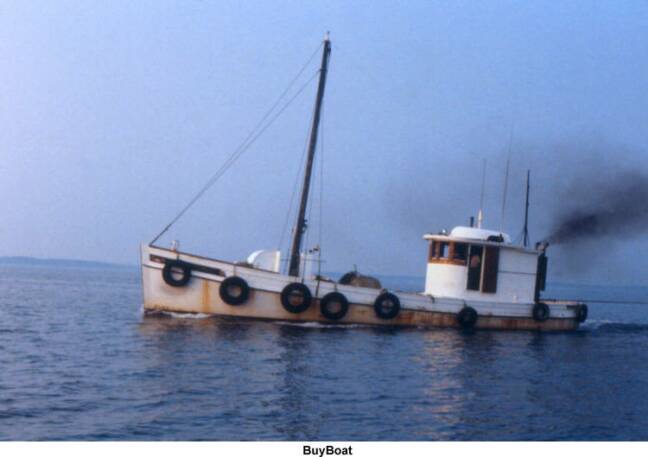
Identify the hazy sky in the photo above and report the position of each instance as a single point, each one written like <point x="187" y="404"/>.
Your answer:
<point x="113" y="114"/>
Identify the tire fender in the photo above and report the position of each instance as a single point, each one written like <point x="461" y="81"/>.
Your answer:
<point x="174" y="266"/>
<point x="581" y="314"/>
<point x="541" y="312"/>
<point x="467" y="317"/>
<point x="330" y="300"/>
<point x="234" y="290"/>
<point x="387" y="305"/>
<point x="296" y="297"/>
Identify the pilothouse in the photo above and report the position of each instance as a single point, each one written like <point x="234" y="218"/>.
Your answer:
<point x="478" y="264"/>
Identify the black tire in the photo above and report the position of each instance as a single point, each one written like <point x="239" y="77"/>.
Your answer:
<point x="234" y="290"/>
<point x="541" y="312"/>
<point x="387" y="305"/>
<point x="467" y="317"/>
<point x="581" y="314"/>
<point x="173" y="267"/>
<point x="331" y="300"/>
<point x="296" y="298"/>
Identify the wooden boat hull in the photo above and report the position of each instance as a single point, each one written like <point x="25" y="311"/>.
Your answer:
<point x="201" y="295"/>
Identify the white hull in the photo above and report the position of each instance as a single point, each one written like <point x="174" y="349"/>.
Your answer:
<point x="201" y="295"/>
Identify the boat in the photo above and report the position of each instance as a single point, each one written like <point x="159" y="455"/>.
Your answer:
<point x="475" y="279"/>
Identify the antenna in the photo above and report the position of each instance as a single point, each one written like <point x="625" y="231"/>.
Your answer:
<point x="525" y="231"/>
<point x="506" y="176"/>
<point x="480" y="215"/>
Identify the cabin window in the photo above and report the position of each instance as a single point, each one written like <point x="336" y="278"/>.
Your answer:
<point x="438" y="250"/>
<point x="460" y="252"/>
<point x="444" y="250"/>
<point x="448" y="252"/>
<point x="433" y="251"/>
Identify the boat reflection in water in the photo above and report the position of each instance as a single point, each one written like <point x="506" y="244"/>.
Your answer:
<point x="291" y="381"/>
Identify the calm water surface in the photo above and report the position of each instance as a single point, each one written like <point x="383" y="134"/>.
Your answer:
<point x="79" y="361"/>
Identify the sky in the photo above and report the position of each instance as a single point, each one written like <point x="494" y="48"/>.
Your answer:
<point x="114" y="114"/>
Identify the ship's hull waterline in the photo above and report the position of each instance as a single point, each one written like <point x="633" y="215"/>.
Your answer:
<point x="201" y="295"/>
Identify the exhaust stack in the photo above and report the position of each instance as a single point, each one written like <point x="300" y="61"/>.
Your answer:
<point x="541" y="272"/>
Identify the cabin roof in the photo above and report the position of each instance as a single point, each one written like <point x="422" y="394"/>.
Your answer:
<point x="476" y="236"/>
<point x="478" y="233"/>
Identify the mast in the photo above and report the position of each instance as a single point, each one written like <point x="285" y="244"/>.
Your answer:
<point x="525" y="241"/>
<point x="300" y="227"/>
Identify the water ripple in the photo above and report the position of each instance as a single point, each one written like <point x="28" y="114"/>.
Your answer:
<point x="79" y="360"/>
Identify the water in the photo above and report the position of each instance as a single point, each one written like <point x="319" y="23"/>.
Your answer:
<point x="79" y="361"/>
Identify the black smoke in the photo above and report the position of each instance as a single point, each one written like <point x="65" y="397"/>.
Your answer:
<point x="602" y="205"/>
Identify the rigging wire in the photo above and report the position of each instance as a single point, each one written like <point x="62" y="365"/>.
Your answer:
<point x="283" y="94"/>
<point x="294" y="193"/>
<point x="302" y="163"/>
<point x="310" y="207"/>
<point x="319" y="201"/>
<point x="321" y="196"/>
<point x="306" y="251"/>
<point x="244" y="146"/>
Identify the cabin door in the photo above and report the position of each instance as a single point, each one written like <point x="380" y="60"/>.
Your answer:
<point x="483" y="266"/>
<point x="491" y="267"/>
<point x="475" y="267"/>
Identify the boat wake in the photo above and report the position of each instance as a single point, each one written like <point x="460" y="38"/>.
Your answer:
<point x="178" y="315"/>
<point x="607" y="326"/>
<point x="319" y="325"/>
